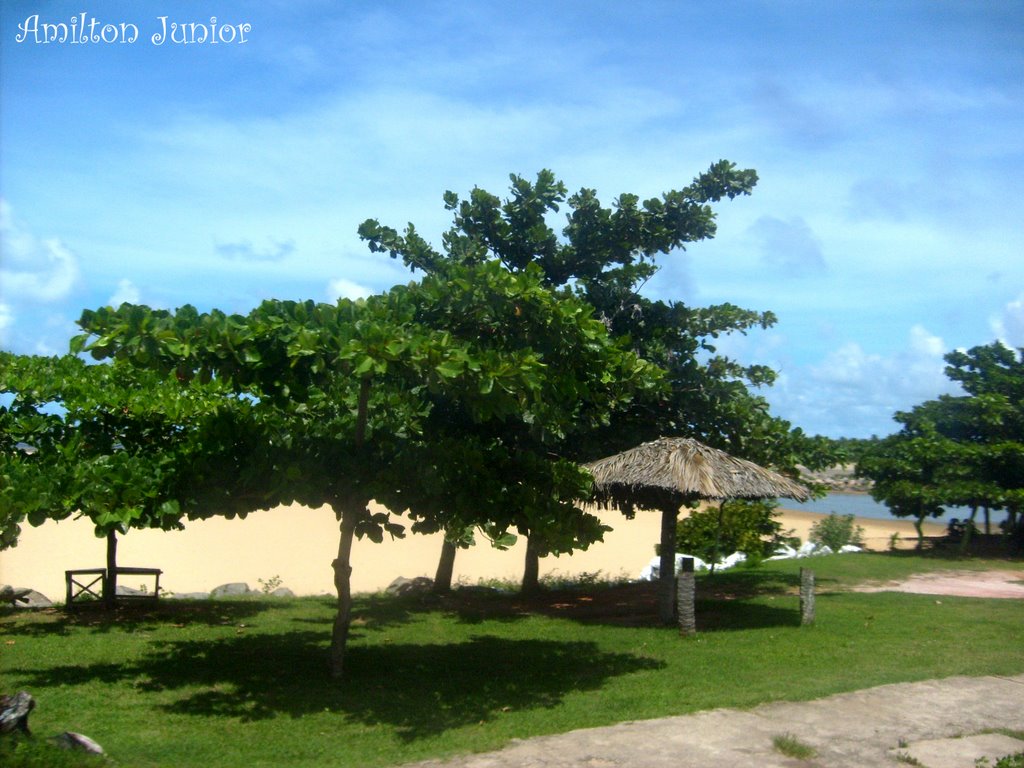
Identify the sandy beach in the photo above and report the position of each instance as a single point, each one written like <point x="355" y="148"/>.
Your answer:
<point x="297" y="545"/>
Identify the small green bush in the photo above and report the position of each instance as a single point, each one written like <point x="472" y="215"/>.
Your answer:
<point x="270" y="584"/>
<point x="790" y="746"/>
<point x="1010" y="761"/>
<point x="836" y="531"/>
<point x="751" y="527"/>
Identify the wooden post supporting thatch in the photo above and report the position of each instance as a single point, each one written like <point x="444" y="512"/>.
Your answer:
<point x="685" y="591"/>
<point x="806" y="597"/>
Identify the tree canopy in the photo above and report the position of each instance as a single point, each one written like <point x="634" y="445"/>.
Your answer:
<point x="397" y="397"/>
<point x="109" y="443"/>
<point x="116" y="445"/>
<point x="605" y="255"/>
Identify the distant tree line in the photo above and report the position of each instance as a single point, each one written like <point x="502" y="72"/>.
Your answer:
<point x="850" y="449"/>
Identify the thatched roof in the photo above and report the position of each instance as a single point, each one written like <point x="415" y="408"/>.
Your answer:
<point x="682" y="469"/>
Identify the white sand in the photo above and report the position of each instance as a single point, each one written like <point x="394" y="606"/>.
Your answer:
<point x="298" y="544"/>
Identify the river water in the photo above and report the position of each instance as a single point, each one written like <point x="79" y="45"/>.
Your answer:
<point x="862" y="505"/>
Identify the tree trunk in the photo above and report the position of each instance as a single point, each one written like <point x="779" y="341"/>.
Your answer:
<point x="531" y="569"/>
<point x="445" y="568"/>
<point x="965" y="540"/>
<point x="351" y="510"/>
<point x="918" y="522"/>
<point x="988" y="528"/>
<point x="343" y="585"/>
<point x="110" y="582"/>
<point x="667" y="567"/>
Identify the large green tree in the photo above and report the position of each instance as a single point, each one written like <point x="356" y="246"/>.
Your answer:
<point x="113" y="444"/>
<point x="359" y="400"/>
<point x="605" y="255"/>
<point x="958" y="450"/>
<point x="908" y="474"/>
<point x="992" y="421"/>
<point x="522" y="460"/>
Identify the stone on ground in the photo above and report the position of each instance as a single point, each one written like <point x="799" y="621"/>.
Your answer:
<point x="404" y="586"/>
<point x="233" y="589"/>
<point x="72" y="740"/>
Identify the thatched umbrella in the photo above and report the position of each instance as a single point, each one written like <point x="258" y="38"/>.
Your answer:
<point x="666" y="473"/>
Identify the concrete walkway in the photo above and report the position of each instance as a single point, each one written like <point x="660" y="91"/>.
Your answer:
<point x="891" y="725"/>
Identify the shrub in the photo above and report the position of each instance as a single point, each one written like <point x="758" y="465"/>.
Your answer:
<point x="270" y="584"/>
<point x="1010" y="761"/>
<point x="791" y="746"/>
<point x="750" y="527"/>
<point x="836" y="531"/>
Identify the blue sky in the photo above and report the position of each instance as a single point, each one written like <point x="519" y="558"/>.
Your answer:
<point x="886" y="230"/>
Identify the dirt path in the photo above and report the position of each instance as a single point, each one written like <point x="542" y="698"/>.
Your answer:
<point x="1004" y="584"/>
<point x="934" y="724"/>
<point x="885" y="726"/>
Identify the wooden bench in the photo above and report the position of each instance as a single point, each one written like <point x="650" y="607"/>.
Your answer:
<point x="154" y="572"/>
<point x="82" y="581"/>
<point x="71" y="580"/>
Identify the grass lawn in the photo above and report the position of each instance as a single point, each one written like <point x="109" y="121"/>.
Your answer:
<point x="244" y="683"/>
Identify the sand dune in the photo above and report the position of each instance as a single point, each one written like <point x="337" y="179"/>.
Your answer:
<point x="297" y="545"/>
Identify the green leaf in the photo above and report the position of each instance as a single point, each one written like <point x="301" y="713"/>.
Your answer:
<point x="449" y="369"/>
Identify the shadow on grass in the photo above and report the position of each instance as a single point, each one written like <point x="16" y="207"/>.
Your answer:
<point x="744" y="583"/>
<point x="994" y="546"/>
<point x="733" y="615"/>
<point x="420" y="690"/>
<point x="632" y="604"/>
<point x="724" y="603"/>
<point x="734" y="601"/>
<point x="60" y="621"/>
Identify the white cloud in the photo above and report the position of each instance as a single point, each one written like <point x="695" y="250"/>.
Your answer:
<point x="44" y="348"/>
<point x="33" y="269"/>
<point x="126" y="293"/>
<point x="897" y="381"/>
<point x="854" y="393"/>
<point x="1008" y="326"/>
<point x="246" y="251"/>
<point x="346" y="289"/>
<point x="924" y="345"/>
